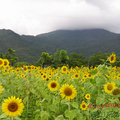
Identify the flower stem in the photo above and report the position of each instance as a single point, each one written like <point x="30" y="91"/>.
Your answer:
<point x="12" y="118"/>
<point x="69" y="107"/>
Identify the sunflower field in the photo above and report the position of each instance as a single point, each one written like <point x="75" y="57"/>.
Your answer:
<point x="80" y="93"/>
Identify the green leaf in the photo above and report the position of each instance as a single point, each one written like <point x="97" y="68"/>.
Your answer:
<point x="93" y="72"/>
<point x="100" y="80"/>
<point x="93" y="81"/>
<point x="53" y="108"/>
<point x="37" y="116"/>
<point x="60" y="117"/>
<point x="75" y="105"/>
<point x="3" y="116"/>
<point x="25" y="100"/>
<point x="99" y="101"/>
<point x="56" y="100"/>
<point x="17" y="118"/>
<point x="64" y="102"/>
<point x="44" y="114"/>
<point x="94" y="90"/>
<point x="70" y="114"/>
<point x="102" y="60"/>
<point x="33" y="91"/>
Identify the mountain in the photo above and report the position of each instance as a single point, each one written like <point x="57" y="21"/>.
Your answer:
<point x="88" y="42"/>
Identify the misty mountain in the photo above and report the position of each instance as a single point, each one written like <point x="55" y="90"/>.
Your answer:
<point x="88" y="42"/>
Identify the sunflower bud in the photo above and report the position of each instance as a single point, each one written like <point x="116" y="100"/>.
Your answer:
<point x="116" y="91"/>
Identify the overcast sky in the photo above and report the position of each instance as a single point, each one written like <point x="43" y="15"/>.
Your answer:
<point x="33" y="17"/>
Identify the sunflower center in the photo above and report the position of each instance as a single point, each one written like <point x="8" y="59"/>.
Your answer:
<point x="76" y="75"/>
<point x="5" y="63"/>
<point x="68" y="91"/>
<point x="44" y="76"/>
<point x="112" y="58"/>
<point x="12" y="107"/>
<point x="87" y="96"/>
<point x="83" y="106"/>
<point x="1" y="62"/>
<point x="47" y="79"/>
<point x="64" y="69"/>
<point x="116" y="91"/>
<point x="53" y="85"/>
<point x="109" y="87"/>
<point x="25" y="68"/>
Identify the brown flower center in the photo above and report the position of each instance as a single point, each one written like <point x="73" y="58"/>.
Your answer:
<point x="12" y="107"/>
<point x="116" y="91"/>
<point x="76" y="75"/>
<point x="68" y="91"/>
<point x="109" y="87"/>
<point x="88" y="96"/>
<point x="47" y="79"/>
<point x="1" y="62"/>
<point x="83" y="106"/>
<point x="5" y="63"/>
<point x="25" y="68"/>
<point x="44" y="76"/>
<point x="64" y="69"/>
<point x="112" y="58"/>
<point x="53" y="85"/>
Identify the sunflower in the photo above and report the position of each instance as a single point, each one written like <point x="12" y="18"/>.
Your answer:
<point x="116" y="91"/>
<point x="112" y="58"/>
<point x="87" y="96"/>
<point x="53" y="85"/>
<point x="25" y="68"/>
<point x="12" y="106"/>
<point x="5" y="63"/>
<point x="1" y="89"/>
<point x="68" y="91"/>
<point x="44" y="76"/>
<point x="83" y="106"/>
<point x="82" y="88"/>
<point x="1" y="62"/>
<point x="76" y="76"/>
<point x="109" y="87"/>
<point x="64" y="69"/>
<point x="83" y="79"/>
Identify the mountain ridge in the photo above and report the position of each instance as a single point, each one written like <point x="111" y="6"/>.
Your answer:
<point x="88" y="42"/>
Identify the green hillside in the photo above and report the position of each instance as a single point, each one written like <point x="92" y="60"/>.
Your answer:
<point x="29" y="48"/>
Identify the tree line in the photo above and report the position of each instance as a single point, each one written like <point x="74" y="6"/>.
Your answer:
<point x="61" y="58"/>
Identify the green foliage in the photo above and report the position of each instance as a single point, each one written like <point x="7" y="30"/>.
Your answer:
<point x="63" y="57"/>
<point x="88" y="42"/>
<point x="60" y="58"/>
<point x="45" y="59"/>
<point x="57" y="60"/>
<point x="77" y="60"/>
<point x="21" y="64"/>
<point x="98" y="58"/>
<point x="10" y="55"/>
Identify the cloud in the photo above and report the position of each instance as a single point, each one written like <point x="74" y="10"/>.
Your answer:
<point x="40" y="16"/>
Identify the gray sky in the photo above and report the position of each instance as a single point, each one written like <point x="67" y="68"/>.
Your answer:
<point x="32" y="17"/>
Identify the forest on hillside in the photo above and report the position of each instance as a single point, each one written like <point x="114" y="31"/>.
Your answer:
<point x="61" y="58"/>
<point x="85" y="42"/>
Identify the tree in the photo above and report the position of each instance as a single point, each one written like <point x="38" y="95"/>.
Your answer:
<point x="45" y="59"/>
<point x="2" y="55"/>
<point x="10" y="55"/>
<point x="63" y="57"/>
<point x="60" y="58"/>
<point x="56" y="60"/>
<point x="98" y="58"/>
<point x="77" y="60"/>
